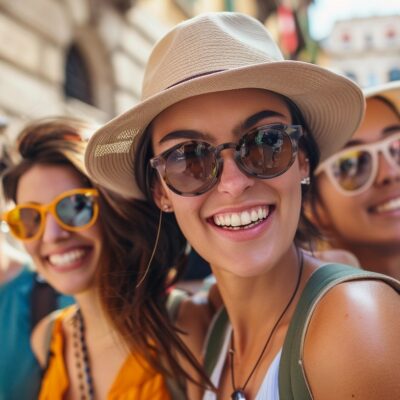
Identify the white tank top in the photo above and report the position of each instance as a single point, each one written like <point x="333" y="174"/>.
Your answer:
<point x="269" y="389"/>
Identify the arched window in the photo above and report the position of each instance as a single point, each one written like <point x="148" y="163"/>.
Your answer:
<point x="77" y="78"/>
<point x="394" y="74"/>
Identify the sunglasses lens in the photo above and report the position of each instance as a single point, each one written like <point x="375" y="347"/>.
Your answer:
<point x="353" y="170"/>
<point x="266" y="153"/>
<point x="76" y="211"/>
<point x="191" y="168"/>
<point x="24" y="222"/>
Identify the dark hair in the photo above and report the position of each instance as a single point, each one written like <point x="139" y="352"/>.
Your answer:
<point x="129" y="228"/>
<point x="306" y="233"/>
<point x="5" y="157"/>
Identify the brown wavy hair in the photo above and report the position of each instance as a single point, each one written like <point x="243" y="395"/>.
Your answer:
<point x="129" y="228"/>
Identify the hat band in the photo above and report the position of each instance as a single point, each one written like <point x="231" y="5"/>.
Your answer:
<point x="194" y="77"/>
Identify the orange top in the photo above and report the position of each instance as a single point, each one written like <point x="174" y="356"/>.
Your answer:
<point x="136" y="380"/>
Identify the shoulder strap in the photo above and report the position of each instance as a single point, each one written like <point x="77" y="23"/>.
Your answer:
<point x="292" y="380"/>
<point x="174" y="300"/>
<point x="215" y="339"/>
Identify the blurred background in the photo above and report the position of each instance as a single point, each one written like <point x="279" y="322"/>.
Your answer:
<point x="86" y="57"/>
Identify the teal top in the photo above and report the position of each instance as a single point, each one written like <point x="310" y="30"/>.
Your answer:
<point x="20" y="373"/>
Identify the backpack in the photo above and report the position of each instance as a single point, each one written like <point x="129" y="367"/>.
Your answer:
<point x="292" y="381"/>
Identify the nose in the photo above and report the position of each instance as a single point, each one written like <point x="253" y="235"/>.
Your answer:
<point x="386" y="173"/>
<point x="232" y="180"/>
<point x="52" y="231"/>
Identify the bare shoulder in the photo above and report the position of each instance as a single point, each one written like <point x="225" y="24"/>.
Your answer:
<point x="40" y="338"/>
<point x="352" y="346"/>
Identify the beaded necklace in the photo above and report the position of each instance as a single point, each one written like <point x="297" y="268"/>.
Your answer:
<point x="81" y="355"/>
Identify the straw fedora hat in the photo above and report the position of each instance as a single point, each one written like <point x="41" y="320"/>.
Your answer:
<point x="390" y="91"/>
<point x="216" y="52"/>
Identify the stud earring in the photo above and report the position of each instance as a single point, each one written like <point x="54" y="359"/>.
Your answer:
<point x="305" y="181"/>
<point x="166" y="208"/>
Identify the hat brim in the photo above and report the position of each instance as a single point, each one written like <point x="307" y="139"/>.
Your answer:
<point x="333" y="107"/>
<point x="390" y="91"/>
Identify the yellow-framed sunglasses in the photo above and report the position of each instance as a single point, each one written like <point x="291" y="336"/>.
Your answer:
<point x="74" y="210"/>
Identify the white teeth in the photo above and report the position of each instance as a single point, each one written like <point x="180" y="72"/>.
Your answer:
<point x="235" y="220"/>
<point x="61" y="260"/>
<point x="389" y="206"/>
<point x="245" y="218"/>
<point x="242" y="219"/>
<point x="226" y="220"/>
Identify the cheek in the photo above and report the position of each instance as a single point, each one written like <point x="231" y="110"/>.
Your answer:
<point x="187" y="212"/>
<point x="32" y="248"/>
<point x="94" y="233"/>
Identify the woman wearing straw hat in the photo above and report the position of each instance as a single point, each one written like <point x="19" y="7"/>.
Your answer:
<point x="356" y="201"/>
<point x="78" y="236"/>
<point x="226" y="137"/>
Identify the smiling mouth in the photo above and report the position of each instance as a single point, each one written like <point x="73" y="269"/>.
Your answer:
<point x="68" y="258"/>
<point x="388" y="206"/>
<point x="242" y="220"/>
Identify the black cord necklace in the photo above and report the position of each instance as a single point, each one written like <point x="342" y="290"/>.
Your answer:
<point x="239" y="393"/>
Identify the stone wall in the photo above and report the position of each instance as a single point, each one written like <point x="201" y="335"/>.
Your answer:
<point x="34" y="39"/>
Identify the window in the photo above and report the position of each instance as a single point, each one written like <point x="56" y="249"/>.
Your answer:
<point x="351" y="75"/>
<point x="77" y="79"/>
<point x="394" y="74"/>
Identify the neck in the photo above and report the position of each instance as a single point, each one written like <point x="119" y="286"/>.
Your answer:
<point x="96" y="322"/>
<point x="270" y="293"/>
<point x="377" y="258"/>
<point x="385" y="261"/>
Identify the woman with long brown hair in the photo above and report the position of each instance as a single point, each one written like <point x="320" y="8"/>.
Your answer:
<point x="83" y="238"/>
<point x="226" y="136"/>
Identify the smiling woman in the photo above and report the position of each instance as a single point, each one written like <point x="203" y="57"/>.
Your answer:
<point x="226" y="138"/>
<point x="77" y="236"/>
<point x="356" y="201"/>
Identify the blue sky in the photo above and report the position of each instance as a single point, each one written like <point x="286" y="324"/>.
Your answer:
<point x="325" y="12"/>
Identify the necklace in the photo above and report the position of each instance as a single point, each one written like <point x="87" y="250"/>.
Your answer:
<point x="82" y="357"/>
<point x="239" y="393"/>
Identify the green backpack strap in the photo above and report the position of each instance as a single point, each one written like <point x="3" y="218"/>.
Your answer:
<point x="215" y="339"/>
<point x="174" y="301"/>
<point x="292" y="380"/>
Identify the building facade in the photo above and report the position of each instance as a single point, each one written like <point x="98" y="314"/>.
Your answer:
<point x="367" y="50"/>
<point x="86" y="58"/>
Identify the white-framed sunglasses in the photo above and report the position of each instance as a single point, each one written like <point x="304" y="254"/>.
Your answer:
<point x="354" y="169"/>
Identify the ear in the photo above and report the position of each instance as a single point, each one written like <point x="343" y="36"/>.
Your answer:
<point x="304" y="165"/>
<point x="161" y="198"/>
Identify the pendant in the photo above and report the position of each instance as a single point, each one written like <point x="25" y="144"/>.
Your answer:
<point x="238" y="394"/>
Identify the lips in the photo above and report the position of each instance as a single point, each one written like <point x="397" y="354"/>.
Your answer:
<point x="242" y="220"/>
<point x="387" y="206"/>
<point x="67" y="259"/>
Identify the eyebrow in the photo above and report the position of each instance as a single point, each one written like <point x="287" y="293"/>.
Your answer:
<point x="238" y="130"/>
<point x="254" y="119"/>
<point x="385" y="132"/>
<point x="186" y="134"/>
